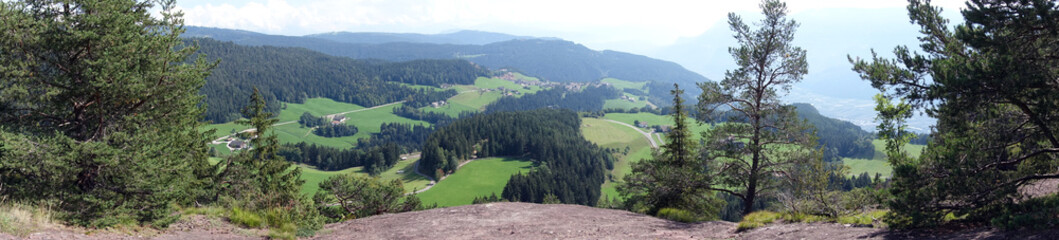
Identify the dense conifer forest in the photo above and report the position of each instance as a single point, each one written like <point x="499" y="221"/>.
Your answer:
<point x="568" y="166"/>
<point x="588" y="99"/>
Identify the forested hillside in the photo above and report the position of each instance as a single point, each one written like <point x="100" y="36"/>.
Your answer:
<point x="569" y="167"/>
<point x="295" y="74"/>
<point x="841" y="138"/>
<point x="549" y="59"/>
<point x="589" y="99"/>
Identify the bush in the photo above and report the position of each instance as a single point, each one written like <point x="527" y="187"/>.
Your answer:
<point x="1038" y="213"/>
<point x="678" y="215"/>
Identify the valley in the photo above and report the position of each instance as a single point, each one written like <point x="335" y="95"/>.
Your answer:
<point x="118" y="121"/>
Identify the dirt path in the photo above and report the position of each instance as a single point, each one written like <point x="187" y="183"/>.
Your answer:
<point x="432" y="179"/>
<point x="645" y="134"/>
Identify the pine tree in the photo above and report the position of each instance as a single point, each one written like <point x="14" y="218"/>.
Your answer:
<point x="672" y="178"/>
<point x="259" y="176"/>
<point x="763" y="141"/>
<point x="991" y="83"/>
<point x="99" y="109"/>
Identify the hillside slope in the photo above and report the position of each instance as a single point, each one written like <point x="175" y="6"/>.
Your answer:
<point x="550" y="59"/>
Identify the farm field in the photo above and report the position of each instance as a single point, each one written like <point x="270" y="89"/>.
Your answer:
<point x="453" y="110"/>
<point x="622" y="84"/>
<point x="878" y="163"/>
<point x="624" y="104"/>
<point x="313" y="176"/>
<point x="611" y="135"/>
<point x="478" y="178"/>
<point x="474" y="99"/>
<point x="366" y="121"/>
<point x="655" y="119"/>
<point x="411" y="181"/>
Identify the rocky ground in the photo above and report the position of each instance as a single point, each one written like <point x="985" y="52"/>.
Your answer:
<point x="533" y="221"/>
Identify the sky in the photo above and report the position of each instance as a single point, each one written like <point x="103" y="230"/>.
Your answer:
<point x="623" y="25"/>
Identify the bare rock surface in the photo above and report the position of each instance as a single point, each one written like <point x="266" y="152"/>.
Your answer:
<point x="523" y="221"/>
<point x="533" y="221"/>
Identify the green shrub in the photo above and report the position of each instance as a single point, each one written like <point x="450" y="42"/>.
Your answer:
<point x="678" y="215"/>
<point x="757" y="219"/>
<point x="245" y="218"/>
<point x="1038" y="213"/>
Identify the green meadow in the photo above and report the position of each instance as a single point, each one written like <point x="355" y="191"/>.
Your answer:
<point x="612" y="135"/>
<point x="367" y="121"/>
<point x="412" y="181"/>
<point x="622" y="84"/>
<point x="478" y="178"/>
<point x="878" y="163"/>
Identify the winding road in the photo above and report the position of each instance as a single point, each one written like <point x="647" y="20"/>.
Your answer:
<point x="654" y="144"/>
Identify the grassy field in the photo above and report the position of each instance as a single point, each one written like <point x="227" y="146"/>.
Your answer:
<point x="313" y="176"/>
<point x="367" y="122"/>
<point x="611" y="135"/>
<point x="411" y="181"/>
<point x="622" y="84"/>
<point x="623" y="104"/>
<point x="474" y="100"/>
<point x="478" y="178"/>
<point x="655" y="119"/>
<point x="878" y="163"/>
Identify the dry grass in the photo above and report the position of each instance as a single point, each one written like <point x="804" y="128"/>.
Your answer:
<point x="20" y="220"/>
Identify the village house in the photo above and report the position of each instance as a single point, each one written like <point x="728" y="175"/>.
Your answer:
<point x="237" y="144"/>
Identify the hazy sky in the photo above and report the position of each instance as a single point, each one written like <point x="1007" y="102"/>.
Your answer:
<point x="627" y="25"/>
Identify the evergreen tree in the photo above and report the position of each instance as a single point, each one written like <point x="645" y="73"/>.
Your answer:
<point x="361" y="196"/>
<point x="991" y="83"/>
<point x="260" y="176"/>
<point x="776" y="143"/>
<point x="98" y="109"/>
<point x="672" y="178"/>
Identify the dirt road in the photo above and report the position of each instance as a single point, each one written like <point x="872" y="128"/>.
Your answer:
<point x="645" y="134"/>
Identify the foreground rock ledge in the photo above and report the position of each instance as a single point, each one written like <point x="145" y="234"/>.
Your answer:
<point x="540" y="221"/>
<point x="524" y="221"/>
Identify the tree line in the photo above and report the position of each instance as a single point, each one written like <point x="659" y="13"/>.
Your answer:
<point x="588" y="99"/>
<point x="294" y="74"/>
<point x="374" y="159"/>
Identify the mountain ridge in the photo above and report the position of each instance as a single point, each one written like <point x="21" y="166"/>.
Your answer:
<point x="546" y="58"/>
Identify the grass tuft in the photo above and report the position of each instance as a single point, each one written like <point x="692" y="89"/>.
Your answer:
<point x="757" y="219"/>
<point x="678" y="215"/>
<point x="862" y="219"/>
<point x="245" y="218"/>
<point x="20" y="220"/>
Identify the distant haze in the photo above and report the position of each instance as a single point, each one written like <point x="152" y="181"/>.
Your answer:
<point x="694" y="34"/>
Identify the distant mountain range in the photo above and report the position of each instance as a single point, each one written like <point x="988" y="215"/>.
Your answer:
<point x="547" y="58"/>
<point x="828" y="36"/>
<point x="464" y="37"/>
